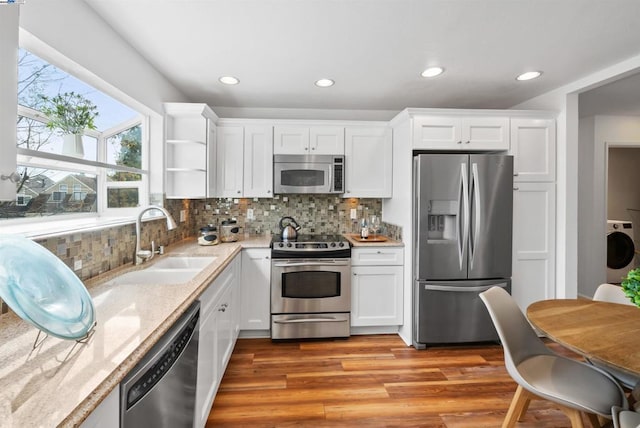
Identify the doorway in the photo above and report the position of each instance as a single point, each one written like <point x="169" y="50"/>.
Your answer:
<point x="623" y="210"/>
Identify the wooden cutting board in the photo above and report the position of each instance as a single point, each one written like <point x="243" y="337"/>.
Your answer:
<point x="377" y="238"/>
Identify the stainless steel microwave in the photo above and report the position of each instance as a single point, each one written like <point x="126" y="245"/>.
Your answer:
<point x="308" y="174"/>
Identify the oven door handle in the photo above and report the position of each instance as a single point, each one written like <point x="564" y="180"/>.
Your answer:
<point x="311" y="263"/>
<point x="305" y="320"/>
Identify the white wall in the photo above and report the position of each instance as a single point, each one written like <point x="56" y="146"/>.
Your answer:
<point x="395" y="211"/>
<point x="100" y="57"/>
<point x="72" y="28"/>
<point x="565" y="101"/>
<point x="9" y="15"/>
<point x="623" y="182"/>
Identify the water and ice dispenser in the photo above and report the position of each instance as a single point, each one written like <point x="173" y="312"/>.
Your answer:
<point x="442" y="220"/>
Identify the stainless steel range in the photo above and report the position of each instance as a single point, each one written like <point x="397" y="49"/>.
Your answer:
<point x="310" y="287"/>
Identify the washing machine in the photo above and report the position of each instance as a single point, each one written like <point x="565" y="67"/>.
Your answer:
<point x="621" y="250"/>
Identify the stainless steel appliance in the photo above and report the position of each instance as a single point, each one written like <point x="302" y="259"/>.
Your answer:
<point x="310" y="287"/>
<point x="160" y="391"/>
<point x="208" y="235"/>
<point x="290" y="231"/>
<point x="463" y="227"/>
<point x="229" y="230"/>
<point x="308" y="173"/>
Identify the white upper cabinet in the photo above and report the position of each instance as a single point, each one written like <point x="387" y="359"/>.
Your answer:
<point x="308" y="140"/>
<point x="460" y="133"/>
<point x="245" y="161"/>
<point x="326" y="140"/>
<point x="258" y="162"/>
<point x="533" y="146"/>
<point x="229" y="162"/>
<point x="291" y="140"/>
<point x="189" y="150"/>
<point x="368" y="162"/>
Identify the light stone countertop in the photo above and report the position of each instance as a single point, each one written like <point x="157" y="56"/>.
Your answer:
<point x="61" y="382"/>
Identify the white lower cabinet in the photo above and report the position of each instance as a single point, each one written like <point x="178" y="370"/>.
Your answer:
<point x="107" y="414"/>
<point x="376" y="286"/>
<point x="255" y="289"/>
<point x="219" y="326"/>
<point x="533" y="276"/>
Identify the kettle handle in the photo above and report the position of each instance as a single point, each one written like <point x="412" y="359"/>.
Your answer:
<point x="291" y="221"/>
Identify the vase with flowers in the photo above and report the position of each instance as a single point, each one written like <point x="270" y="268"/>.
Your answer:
<point x="70" y="114"/>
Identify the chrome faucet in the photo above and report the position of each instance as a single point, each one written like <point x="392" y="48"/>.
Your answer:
<point x="143" y="255"/>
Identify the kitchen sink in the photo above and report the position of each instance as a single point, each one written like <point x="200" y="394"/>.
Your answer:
<point x="155" y="276"/>
<point x="169" y="270"/>
<point x="181" y="262"/>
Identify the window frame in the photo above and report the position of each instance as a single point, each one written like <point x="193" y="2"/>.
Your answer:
<point x="99" y="167"/>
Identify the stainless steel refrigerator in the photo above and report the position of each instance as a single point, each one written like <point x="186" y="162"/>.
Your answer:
<point x="463" y="216"/>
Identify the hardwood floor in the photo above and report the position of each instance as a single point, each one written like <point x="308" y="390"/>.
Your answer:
<point x="372" y="381"/>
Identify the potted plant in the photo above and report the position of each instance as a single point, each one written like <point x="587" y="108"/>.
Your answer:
<point x="631" y="286"/>
<point x="70" y="114"/>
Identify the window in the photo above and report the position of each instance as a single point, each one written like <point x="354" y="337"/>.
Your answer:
<point x="79" y="149"/>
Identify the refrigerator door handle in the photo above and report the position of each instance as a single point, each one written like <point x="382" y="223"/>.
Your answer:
<point x="463" y="213"/>
<point x="475" y="289"/>
<point x="477" y="220"/>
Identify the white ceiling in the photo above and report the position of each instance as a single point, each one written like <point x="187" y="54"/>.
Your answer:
<point x="375" y="50"/>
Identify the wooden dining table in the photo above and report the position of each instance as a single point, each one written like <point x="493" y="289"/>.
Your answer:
<point x="608" y="332"/>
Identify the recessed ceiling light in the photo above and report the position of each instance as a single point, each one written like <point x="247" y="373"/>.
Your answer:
<point x="324" y="83"/>
<point x="529" y="75"/>
<point x="229" y="80"/>
<point x="432" y="72"/>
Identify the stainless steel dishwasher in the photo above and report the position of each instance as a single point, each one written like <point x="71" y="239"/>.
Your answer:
<point x="160" y="391"/>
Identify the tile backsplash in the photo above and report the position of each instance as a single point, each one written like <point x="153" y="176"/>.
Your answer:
<point x="94" y="252"/>
<point x="316" y="214"/>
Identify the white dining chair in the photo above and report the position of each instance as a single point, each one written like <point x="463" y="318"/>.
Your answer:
<point x="574" y="386"/>
<point x="625" y="418"/>
<point x="614" y="294"/>
<point x="611" y="293"/>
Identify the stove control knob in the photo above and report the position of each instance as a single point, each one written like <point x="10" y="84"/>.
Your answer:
<point x="341" y="244"/>
<point x="289" y="244"/>
<point x="333" y="244"/>
<point x="280" y="244"/>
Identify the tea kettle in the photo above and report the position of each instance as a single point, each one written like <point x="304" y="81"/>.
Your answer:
<point x="290" y="231"/>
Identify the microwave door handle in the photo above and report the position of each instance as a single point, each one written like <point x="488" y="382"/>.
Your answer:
<point x="331" y="189"/>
